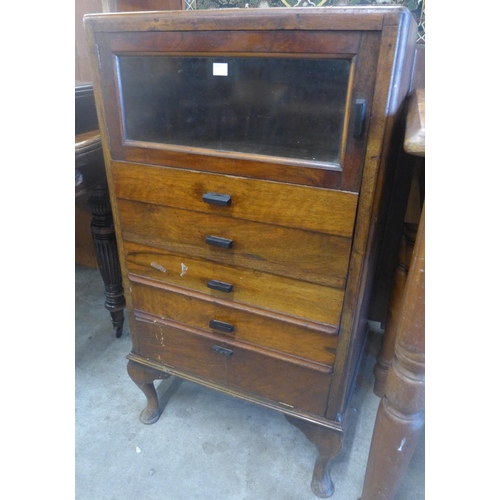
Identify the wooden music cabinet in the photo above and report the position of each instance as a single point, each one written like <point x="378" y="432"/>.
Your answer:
<point x="247" y="161"/>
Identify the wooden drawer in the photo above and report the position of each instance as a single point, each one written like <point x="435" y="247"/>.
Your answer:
<point x="290" y="384"/>
<point x="297" y="338"/>
<point x="295" y="386"/>
<point x="268" y="291"/>
<point x="302" y="207"/>
<point x="315" y="257"/>
<point x="184" y="351"/>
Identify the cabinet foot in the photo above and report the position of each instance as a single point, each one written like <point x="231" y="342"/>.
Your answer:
<point x="328" y="443"/>
<point x="144" y="377"/>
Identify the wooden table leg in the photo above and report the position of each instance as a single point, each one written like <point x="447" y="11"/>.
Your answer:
<point x="386" y="352"/>
<point x="400" y="416"/>
<point x="106" y="251"/>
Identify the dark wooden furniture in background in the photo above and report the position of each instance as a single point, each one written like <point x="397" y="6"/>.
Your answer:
<point x="90" y="176"/>
<point x="246" y="154"/>
<point x="405" y="212"/>
<point x="84" y="245"/>
<point x="400" y="418"/>
<point x="411" y="168"/>
<point x="94" y="238"/>
<point x="84" y="248"/>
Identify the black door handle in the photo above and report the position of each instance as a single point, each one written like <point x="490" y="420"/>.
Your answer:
<point x="220" y="285"/>
<point x="218" y="241"/>
<point x="221" y="325"/>
<point x="359" y="117"/>
<point x="222" y="200"/>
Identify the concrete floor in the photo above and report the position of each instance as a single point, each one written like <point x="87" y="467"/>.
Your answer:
<point x="206" y="445"/>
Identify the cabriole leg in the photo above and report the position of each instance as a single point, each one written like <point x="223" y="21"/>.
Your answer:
<point x="329" y="443"/>
<point x="144" y="377"/>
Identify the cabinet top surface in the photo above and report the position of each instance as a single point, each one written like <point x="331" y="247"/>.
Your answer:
<point x="330" y="18"/>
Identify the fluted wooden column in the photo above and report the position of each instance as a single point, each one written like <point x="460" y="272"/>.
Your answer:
<point x="106" y="251"/>
<point x="90" y="177"/>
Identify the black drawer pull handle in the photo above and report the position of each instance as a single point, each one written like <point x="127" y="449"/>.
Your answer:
<point x="220" y="285"/>
<point x="222" y="200"/>
<point x="219" y="242"/>
<point x="222" y="350"/>
<point x="359" y="117"/>
<point x="221" y="325"/>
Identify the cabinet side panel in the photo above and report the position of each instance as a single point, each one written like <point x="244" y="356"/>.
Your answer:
<point x="391" y="87"/>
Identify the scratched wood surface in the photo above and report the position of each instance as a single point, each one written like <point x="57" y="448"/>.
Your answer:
<point x="269" y="291"/>
<point x="305" y="255"/>
<point x="281" y="333"/>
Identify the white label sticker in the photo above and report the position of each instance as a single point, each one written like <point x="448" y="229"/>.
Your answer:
<point x="220" y="69"/>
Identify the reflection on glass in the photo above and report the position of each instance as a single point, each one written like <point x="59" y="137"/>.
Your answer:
<point x="292" y="108"/>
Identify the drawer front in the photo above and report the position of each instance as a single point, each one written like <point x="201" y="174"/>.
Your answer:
<point x="305" y="340"/>
<point x="315" y="257"/>
<point x="276" y="293"/>
<point x="301" y="207"/>
<point x="236" y="368"/>
<point x="291" y="385"/>
<point x="182" y="350"/>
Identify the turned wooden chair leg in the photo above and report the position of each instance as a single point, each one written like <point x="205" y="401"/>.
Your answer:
<point x="143" y="377"/>
<point x="400" y="418"/>
<point x="328" y="443"/>
<point x="386" y="352"/>
<point x="106" y="251"/>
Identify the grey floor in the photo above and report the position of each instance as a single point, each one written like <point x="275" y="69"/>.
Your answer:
<point x="206" y="445"/>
